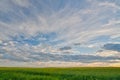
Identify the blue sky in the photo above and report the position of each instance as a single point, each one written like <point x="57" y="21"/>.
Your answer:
<point x="59" y="32"/>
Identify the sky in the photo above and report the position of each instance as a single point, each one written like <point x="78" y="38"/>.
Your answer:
<point x="59" y="33"/>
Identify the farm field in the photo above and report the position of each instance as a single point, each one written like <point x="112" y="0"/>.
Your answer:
<point x="82" y="73"/>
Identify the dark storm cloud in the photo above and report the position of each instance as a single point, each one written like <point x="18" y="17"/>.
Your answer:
<point x="110" y="46"/>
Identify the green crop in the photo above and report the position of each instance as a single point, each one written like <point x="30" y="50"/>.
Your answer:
<point x="82" y="73"/>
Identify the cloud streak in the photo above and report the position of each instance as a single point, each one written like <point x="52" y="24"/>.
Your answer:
<point x="39" y="30"/>
<point x="114" y="47"/>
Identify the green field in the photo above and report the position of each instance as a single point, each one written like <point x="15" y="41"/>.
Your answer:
<point x="86" y="73"/>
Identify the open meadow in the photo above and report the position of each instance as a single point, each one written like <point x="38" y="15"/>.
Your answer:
<point x="82" y="73"/>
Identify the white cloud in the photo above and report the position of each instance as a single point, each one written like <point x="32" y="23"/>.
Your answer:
<point x="109" y="4"/>
<point x="58" y="64"/>
<point x="112" y="22"/>
<point x="108" y="53"/>
<point x="22" y="3"/>
<point x="70" y="25"/>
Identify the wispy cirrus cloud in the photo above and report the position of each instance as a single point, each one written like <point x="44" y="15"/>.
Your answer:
<point x="39" y="30"/>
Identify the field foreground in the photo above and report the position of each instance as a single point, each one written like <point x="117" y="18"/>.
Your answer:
<point x="83" y="73"/>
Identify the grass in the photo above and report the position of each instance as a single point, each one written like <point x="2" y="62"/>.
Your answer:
<point x="84" y="73"/>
